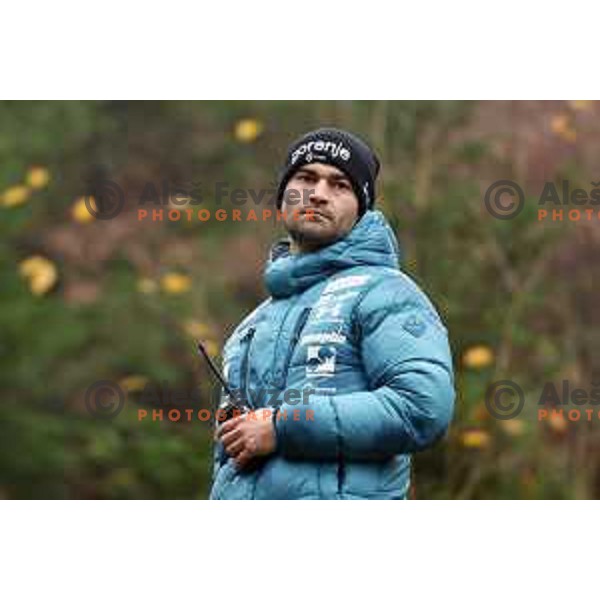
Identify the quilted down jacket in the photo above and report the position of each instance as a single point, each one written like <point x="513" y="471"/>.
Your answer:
<point x="362" y="359"/>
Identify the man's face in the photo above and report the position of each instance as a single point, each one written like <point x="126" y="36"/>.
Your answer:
<point x="323" y="208"/>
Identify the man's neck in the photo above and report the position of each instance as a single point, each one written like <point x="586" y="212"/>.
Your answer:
<point x="303" y="247"/>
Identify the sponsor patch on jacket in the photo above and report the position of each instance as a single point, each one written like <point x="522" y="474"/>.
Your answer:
<point x="329" y="306"/>
<point x="345" y="282"/>
<point x="320" y="361"/>
<point x="325" y="391"/>
<point x="328" y="311"/>
<point x="326" y="337"/>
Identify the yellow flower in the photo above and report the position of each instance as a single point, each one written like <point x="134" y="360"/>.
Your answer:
<point x="478" y="357"/>
<point x="557" y="422"/>
<point x="147" y="285"/>
<point x="41" y="274"/>
<point x="211" y="347"/>
<point x="247" y="130"/>
<point x="80" y="211"/>
<point x="16" y="195"/>
<point x="37" y="177"/>
<point x="559" y="123"/>
<point x="133" y="383"/>
<point x="196" y="329"/>
<point x="580" y="104"/>
<point x="175" y="283"/>
<point x="475" y="438"/>
<point x="514" y="427"/>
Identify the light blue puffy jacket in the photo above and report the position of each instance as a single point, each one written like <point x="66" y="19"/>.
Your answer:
<point x="370" y="359"/>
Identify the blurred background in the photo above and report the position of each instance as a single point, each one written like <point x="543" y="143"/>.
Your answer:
<point x="85" y="299"/>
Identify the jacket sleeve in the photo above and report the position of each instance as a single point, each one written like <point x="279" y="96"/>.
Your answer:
<point x="410" y="401"/>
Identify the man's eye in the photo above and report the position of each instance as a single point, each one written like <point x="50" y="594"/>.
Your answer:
<point x="342" y="185"/>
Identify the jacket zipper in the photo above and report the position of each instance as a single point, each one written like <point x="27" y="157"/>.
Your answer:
<point x="245" y="366"/>
<point x="295" y="339"/>
<point x="341" y="467"/>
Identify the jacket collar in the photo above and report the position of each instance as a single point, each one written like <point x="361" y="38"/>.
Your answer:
<point x="370" y="242"/>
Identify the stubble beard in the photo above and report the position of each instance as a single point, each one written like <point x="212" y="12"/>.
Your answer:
<point x="310" y="236"/>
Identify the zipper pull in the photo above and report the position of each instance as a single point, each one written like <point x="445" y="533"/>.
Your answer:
<point x="245" y="366"/>
<point x="282" y="375"/>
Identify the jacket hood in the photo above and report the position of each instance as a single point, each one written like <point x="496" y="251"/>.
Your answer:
<point x="370" y="243"/>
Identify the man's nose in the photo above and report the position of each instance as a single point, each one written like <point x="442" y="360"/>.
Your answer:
<point x="319" y="193"/>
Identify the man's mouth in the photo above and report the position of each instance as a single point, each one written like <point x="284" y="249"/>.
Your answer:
<point x="311" y="213"/>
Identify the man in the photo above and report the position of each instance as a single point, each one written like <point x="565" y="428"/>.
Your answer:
<point x="356" y="346"/>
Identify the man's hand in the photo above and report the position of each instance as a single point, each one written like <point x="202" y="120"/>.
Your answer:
<point x="248" y="435"/>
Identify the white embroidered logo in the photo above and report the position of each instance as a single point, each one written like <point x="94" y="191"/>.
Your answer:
<point x="346" y="282"/>
<point x="329" y="310"/>
<point x="327" y="337"/>
<point x="319" y="149"/>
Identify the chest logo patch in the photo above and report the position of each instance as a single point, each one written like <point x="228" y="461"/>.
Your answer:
<point x="327" y="337"/>
<point x="320" y="361"/>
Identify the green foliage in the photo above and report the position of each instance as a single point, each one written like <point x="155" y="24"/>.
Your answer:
<point x="110" y="315"/>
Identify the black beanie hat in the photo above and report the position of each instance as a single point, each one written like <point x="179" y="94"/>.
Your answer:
<point x="341" y="149"/>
